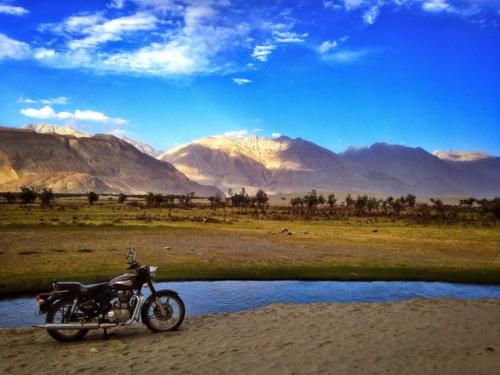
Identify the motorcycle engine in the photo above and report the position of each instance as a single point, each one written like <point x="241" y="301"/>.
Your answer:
<point x="120" y="311"/>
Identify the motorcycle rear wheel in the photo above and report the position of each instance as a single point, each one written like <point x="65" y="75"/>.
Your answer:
<point x="58" y="314"/>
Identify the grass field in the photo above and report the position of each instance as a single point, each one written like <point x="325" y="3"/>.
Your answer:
<point x="88" y="243"/>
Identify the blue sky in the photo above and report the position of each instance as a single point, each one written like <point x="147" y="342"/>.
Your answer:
<point x="338" y="72"/>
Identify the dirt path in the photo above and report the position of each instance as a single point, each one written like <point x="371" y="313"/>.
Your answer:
<point x="411" y="337"/>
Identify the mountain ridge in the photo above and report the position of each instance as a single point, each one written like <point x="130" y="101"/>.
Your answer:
<point x="286" y="165"/>
<point x="277" y="165"/>
<point x="102" y="163"/>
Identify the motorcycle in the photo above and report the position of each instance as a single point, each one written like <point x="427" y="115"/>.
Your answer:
<point x="73" y="309"/>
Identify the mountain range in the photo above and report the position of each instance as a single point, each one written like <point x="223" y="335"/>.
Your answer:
<point x="290" y="165"/>
<point x="277" y="165"/>
<point x="71" y="163"/>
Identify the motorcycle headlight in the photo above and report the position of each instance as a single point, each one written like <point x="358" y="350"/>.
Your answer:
<point x="152" y="271"/>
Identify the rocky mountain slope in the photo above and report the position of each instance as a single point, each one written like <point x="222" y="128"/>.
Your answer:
<point x="102" y="163"/>
<point x="292" y="165"/>
<point x="461" y="155"/>
<point x="141" y="146"/>
<point x="66" y="130"/>
<point x="44" y="128"/>
<point x="276" y="165"/>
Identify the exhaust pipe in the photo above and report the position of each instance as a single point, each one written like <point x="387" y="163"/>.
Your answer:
<point x="76" y="326"/>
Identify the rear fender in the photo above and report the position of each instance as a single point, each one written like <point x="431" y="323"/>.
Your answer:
<point x="52" y="298"/>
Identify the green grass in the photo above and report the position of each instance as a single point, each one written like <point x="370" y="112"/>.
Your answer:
<point x="37" y="246"/>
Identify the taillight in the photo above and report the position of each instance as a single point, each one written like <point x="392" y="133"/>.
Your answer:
<point x="39" y="299"/>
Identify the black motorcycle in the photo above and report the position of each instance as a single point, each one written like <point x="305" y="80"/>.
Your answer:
<point x="73" y="309"/>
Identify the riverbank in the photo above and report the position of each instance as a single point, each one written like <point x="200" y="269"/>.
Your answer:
<point x="442" y="336"/>
<point x="32" y="255"/>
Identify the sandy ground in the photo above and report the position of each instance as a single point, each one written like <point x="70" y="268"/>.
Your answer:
<point x="411" y="337"/>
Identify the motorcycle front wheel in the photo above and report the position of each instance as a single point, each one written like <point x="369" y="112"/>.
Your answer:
<point x="173" y="314"/>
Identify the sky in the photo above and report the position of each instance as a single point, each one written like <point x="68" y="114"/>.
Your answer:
<point x="339" y="73"/>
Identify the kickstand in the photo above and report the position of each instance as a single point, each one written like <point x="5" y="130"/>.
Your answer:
<point x="105" y="337"/>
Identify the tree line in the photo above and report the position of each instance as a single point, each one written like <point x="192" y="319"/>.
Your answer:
<point x="306" y="206"/>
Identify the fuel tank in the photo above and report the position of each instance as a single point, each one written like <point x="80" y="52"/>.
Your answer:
<point x="124" y="282"/>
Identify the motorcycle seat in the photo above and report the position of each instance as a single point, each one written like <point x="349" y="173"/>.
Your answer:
<point x="79" y="288"/>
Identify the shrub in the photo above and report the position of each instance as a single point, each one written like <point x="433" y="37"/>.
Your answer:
<point x="28" y="195"/>
<point x="92" y="197"/>
<point x="9" y="197"/>
<point x="46" y="197"/>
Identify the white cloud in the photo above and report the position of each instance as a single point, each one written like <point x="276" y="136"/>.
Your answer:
<point x="198" y="41"/>
<point x="275" y="135"/>
<point x="354" y="4"/>
<point x="236" y="133"/>
<point x="117" y="4"/>
<point x="326" y="46"/>
<point x="165" y="6"/>
<point x="262" y="52"/>
<point x="371" y="14"/>
<point x="42" y="113"/>
<point x="13" y="49"/>
<point x="346" y="56"/>
<point x="289" y="37"/>
<point x="160" y="59"/>
<point x="48" y="112"/>
<point x="44" y="53"/>
<point x="12" y="10"/>
<point x="435" y="6"/>
<point x="61" y="100"/>
<point x="241" y="81"/>
<point x="27" y="101"/>
<point x="370" y="9"/>
<point x="111" y="30"/>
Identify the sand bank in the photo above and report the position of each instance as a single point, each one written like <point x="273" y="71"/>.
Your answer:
<point x="412" y="337"/>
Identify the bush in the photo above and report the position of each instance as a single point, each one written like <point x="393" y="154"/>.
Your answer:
<point x="92" y="197"/>
<point x="28" y="195"/>
<point x="9" y="197"/>
<point x="46" y="197"/>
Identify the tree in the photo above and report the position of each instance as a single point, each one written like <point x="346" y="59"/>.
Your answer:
<point x="371" y="204"/>
<point x="468" y="203"/>
<point x="349" y="202"/>
<point x="158" y="199"/>
<point x="438" y="205"/>
<point x="46" y="197"/>
<point x="311" y="199"/>
<point x="9" y="197"/>
<point x="149" y="200"/>
<point x="361" y="203"/>
<point x="331" y="200"/>
<point x="215" y="200"/>
<point x="384" y="203"/>
<point x="28" y="195"/>
<point x="92" y="197"/>
<point x="239" y="199"/>
<point x="296" y="201"/>
<point x="495" y="207"/>
<point x="411" y="200"/>
<point x="261" y="198"/>
<point x="321" y="200"/>
<point x="396" y="206"/>
<point x="122" y="198"/>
